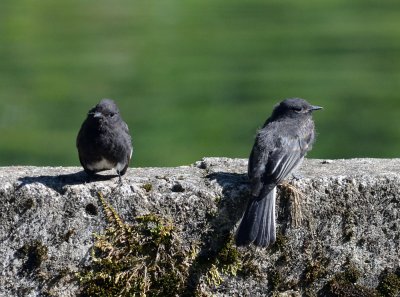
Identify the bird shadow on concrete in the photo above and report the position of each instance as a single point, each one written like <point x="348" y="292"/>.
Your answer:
<point x="58" y="182"/>
<point x="231" y="207"/>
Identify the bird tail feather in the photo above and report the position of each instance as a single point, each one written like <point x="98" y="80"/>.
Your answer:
<point x="258" y="223"/>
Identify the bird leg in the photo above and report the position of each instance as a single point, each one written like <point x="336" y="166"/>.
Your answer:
<point x="119" y="178"/>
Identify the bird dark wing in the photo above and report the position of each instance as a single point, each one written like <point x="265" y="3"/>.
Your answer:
<point x="256" y="168"/>
<point x="272" y="166"/>
<point x="128" y="140"/>
<point x="284" y="159"/>
<point x="125" y="127"/>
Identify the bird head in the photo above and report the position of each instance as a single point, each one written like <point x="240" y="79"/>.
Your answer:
<point x="294" y="107"/>
<point x="105" y="109"/>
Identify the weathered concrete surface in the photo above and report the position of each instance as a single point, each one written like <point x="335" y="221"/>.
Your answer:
<point x="350" y="213"/>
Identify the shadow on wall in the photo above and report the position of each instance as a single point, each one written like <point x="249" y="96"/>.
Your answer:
<point x="58" y="182"/>
<point x="230" y="210"/>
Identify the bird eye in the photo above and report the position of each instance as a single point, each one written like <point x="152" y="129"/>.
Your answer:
<point x="297" y="108"/>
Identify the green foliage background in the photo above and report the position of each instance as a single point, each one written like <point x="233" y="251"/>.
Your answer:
<point x="196" y="78"/>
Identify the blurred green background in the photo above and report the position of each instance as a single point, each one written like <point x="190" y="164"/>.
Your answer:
<point x="196" y="78"/>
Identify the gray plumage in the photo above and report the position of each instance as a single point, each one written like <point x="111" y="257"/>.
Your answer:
<point x="104" y="141"/>
<point x="279" y="148"/>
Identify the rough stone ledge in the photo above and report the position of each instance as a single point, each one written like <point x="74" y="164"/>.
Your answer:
<point x="349" y="213"/>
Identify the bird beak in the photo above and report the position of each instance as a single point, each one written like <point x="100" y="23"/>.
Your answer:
<point x="96" y="114"/>
<point x="315" y="107"/>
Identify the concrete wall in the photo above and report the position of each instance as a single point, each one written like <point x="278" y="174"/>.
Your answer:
<point x="347" y="218"/>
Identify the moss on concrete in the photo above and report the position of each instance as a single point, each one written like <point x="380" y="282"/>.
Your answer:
<point x="142" y="259"/>
<point x="148" y="258"/>
<point x="389" y="284"/>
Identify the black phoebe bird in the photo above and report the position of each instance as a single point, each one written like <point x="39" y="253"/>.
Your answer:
<point x="279" y="148"/>
<point x="103" y="141"/>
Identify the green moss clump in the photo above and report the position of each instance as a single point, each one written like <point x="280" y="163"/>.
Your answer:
<point x="142" y="259"/>
<point x="249" y="268"/>
<point x="147" y="187"/>
<point x="213" y="278"/>
<point x="340" y="287"/>
<point x="228" y="258"/>
<point x="35" y="253"/>
<point x="213" y="264"/>
<point x="275" y="280"/>
<point x="344" y="284"/>
<point x="313" y="271"/>
<point x="280" y="243"/>
<point x="309" y="292"/>
<point x="389" y="284"/>
<point x="231" y="262"/>
<point x="228" y="261"/>
<point x="148" y="259"/>
<point x="352" y="274"/>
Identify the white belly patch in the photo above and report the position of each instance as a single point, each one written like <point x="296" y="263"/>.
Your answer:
<point x="119" y="166"/>
<point x="103" y="164"/>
